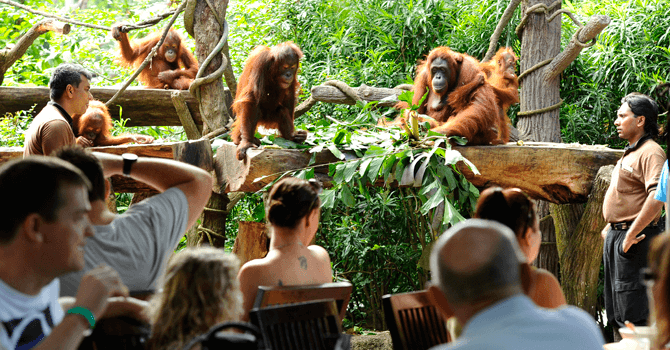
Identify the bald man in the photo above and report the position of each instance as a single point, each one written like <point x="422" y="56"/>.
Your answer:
<point x="476" y="277"/>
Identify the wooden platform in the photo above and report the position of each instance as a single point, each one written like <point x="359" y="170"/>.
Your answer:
<point x="559" y="173"/>
<point x="144" y="107"/>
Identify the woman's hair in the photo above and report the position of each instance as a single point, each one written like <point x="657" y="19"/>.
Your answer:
<point x="659" y="264"/>
<point x="511" y="207"/>
<point x="200" y="289"/>
<point x="290" y="200"/>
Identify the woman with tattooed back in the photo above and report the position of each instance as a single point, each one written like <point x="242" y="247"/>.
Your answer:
<point x="292" y="209"/>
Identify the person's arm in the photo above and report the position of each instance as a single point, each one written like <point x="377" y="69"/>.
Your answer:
<point x="56" y="134"/>
<point x="164" y="174"/>
<point x="96" y="287"/>
<point x="116" y="306"/>
<point x="649" y="211"/>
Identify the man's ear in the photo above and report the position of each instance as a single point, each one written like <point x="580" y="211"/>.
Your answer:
<point x="108" y="187"/>
<point x="640" y="120"/>
<point x="31" y="228"/>
<point x="437" y="298"/>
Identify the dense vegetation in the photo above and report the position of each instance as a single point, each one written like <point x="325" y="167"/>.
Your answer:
<point x="377" y="237"/>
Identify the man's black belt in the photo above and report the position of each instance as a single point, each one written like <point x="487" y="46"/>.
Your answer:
<point x="625" y="225"/>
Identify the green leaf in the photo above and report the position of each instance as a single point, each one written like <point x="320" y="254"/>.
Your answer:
<point x="336" y="152"/>
<point x="436" y="199"/>
<point x="347" y="197"/>
<point x="364" y="167"/>
<point x="338" y="178"/>
<point x="328" y="198"/>
<point x="350" y="169"/>
<point x="339" y="136"/>
<point x="388" y="164"/>
<point x="375" y="165"/>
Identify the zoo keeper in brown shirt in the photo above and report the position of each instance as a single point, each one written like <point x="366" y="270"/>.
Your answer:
<point x="631" y="211"/>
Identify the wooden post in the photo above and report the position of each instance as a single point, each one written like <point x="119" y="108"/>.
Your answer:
<point x="580" y="248"/>
<point x="251" y="242"/>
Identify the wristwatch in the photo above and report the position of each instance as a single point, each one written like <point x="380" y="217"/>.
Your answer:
<point x="128" y="160"/>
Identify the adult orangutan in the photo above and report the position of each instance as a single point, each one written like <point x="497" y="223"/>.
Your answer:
<point x="93" y="128"/>
<point x="460" y="100"/>
<point x="266" y="95"/>
<point x="173" y="67"/>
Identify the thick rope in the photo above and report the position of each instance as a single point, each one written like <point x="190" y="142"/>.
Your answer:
<point x="199" y="80"/>
<point x="311" y="101"/>
<point x="534" y="68"/>
<point x="541" y="110"/>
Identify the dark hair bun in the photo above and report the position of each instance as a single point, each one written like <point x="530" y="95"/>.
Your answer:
<point x="290" y="200"/>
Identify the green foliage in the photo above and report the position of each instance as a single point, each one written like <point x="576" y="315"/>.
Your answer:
<point x="12" y="127"/>
<point x="632" y="54"/>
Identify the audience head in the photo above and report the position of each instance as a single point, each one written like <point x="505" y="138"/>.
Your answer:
<point x="291" y="199"/>
<point x="35" y="185"/>
<point x="476" y="261"/>
<point x="200" y="290"/>
<point x="513" y="208"/>
<point x="658" y="274"/>
<point x="89" y="165"/>
<point x="64" y="75"/>
<point x="641" y="104"/>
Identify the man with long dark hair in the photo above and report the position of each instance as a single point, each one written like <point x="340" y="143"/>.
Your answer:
<point x="631" y="211"/>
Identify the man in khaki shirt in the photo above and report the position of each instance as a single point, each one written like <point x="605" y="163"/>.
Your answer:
<point x="52" y="127"/>
<point x="631" y="211"/>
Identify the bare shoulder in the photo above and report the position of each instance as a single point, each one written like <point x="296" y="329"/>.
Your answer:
<point x="547" y="291"/>
<point x="319" y="252"/>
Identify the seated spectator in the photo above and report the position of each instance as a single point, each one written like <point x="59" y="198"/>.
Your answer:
<point x="476" y="277"/>
<point x="200" y="290"/>
<point x="43" y="225"/>
<point x="138" y="242"/>
<point x="293" y="209"/>
<point x="514" y="209"/>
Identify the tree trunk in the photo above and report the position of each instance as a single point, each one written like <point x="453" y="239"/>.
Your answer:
<point x="208" y="31"/>
<point x="251" y="241"/>
<point x="541" y="41"/>
<point x="581" y="247"/>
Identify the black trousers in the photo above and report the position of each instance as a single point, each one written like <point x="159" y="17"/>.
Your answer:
<point x="625" y="295"/>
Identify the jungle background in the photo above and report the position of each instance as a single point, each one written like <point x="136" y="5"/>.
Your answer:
<point x="375" y="236"/>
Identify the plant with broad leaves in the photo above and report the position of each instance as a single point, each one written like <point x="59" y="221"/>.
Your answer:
<point x="375" y="155"/>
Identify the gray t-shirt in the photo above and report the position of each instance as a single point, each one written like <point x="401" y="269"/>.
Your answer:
<point x="137" y="243"/>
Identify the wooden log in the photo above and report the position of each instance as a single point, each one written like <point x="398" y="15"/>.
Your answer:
<point x="580" y="246"/>
<point x="238" y="176"/>
<point x="559" y="173"/>
<point x="143" y="107"/>
<point x="251" y="241"/>
<point x="331" y="94"/>
<point x="591" y="30"/>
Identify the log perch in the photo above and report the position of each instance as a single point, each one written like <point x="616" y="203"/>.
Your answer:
<point x="591" y="30"/>
<point x="559" y="173"/>
<point x="144" y="107"/>
<point x="331" y="94"/>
